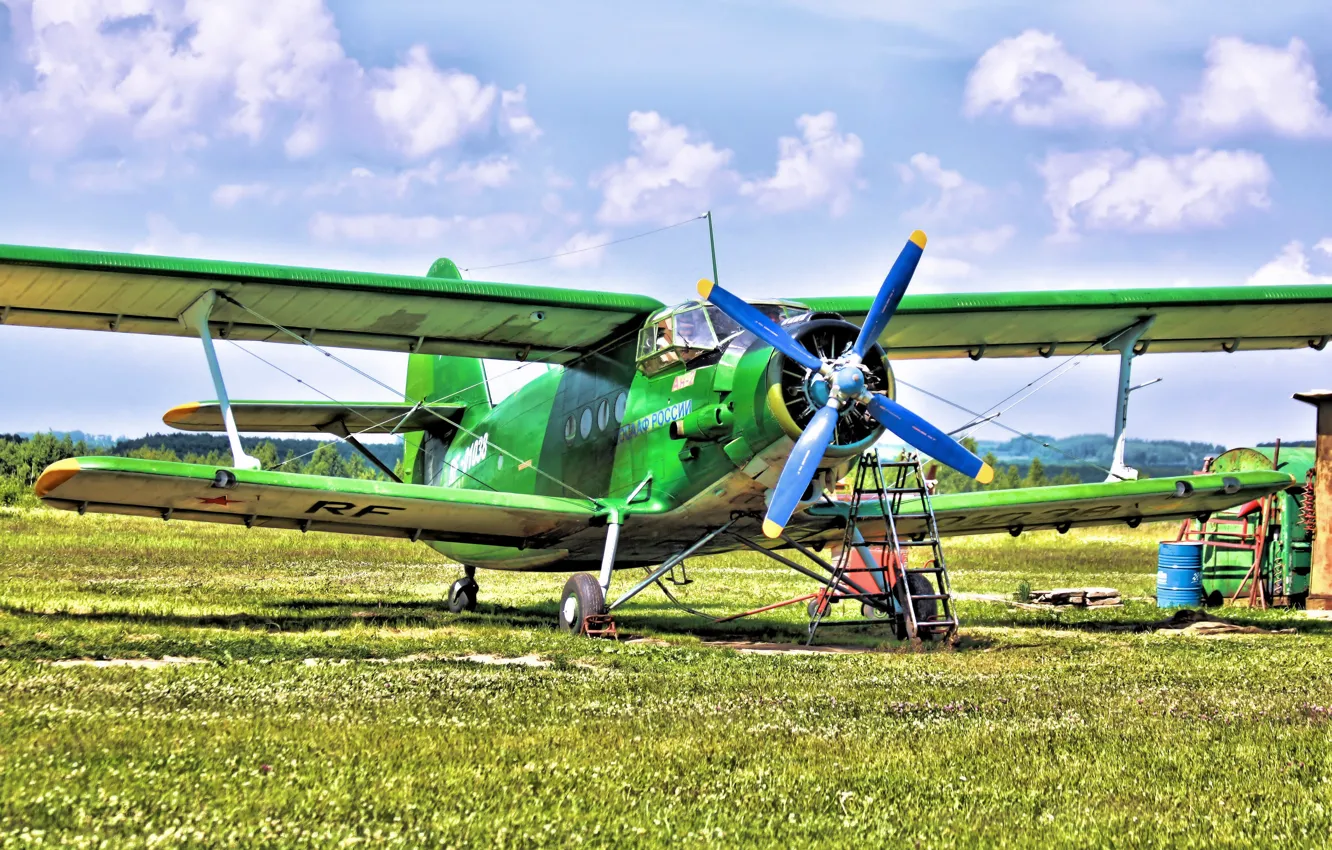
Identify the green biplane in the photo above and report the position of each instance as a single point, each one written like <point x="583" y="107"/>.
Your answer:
<point x="649" y="432"/>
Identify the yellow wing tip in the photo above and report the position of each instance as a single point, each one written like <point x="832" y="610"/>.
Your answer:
<point x="986" y="474"/>
<point x="918" y="237"/>
<point x="180" y="412"/>
<point x="705" y="287"/>
<point x="771" y="529"/>
<point x="55" y="475"/>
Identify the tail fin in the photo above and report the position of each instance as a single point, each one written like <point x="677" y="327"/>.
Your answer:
<point x="437" y="378"/>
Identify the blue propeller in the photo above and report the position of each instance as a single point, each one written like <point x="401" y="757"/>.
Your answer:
<point x="846" y="382"/>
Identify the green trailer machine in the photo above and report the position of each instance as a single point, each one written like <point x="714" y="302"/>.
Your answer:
<point x="1259" y="553"/>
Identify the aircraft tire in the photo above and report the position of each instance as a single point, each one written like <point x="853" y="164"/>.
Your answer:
<point x="462" y="595"/>
<point x="582" y="597"/>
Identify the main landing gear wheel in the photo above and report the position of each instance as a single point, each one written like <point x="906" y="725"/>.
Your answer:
<point x="462" y="596"/>
<point x="582" y="598"/>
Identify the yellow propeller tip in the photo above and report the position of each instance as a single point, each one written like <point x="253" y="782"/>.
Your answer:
<point x="986" y="474"/>
<point x="918" y="237"/>
<point x="705" y="287"/>
<point x="771" y="529"/>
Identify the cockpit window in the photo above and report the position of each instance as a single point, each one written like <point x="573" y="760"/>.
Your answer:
<point x="680" y="334"/>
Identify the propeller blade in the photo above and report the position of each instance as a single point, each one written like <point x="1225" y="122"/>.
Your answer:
<point x="800" y="468"/>
<point x="928" y="439"/>
<point x="890" y="294"/>
<point x="759" y="325"/>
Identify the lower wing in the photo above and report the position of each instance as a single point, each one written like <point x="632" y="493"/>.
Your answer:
<point x="310" y="502"/>
<point x="1063" y="507"/>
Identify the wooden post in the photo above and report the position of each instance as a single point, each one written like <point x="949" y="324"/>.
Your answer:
<point x="1320" y="573"/>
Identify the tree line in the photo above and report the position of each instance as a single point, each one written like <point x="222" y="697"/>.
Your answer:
<point x="22" y="458"/>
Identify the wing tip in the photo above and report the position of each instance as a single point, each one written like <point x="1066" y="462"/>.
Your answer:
<point x="55" y="475"/>
<point x="705" y="287"/>
<point x="180" y="413"/>
<point x="918" y="238"/>
<point x="986" y="473"/>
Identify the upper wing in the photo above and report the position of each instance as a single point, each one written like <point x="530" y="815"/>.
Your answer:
<point x="310" y="502"/>
<point x="438" y="314"/>
<point x="331" y="417"/>
<point x="1026" y="324"/>
<point x="988" y="511"/>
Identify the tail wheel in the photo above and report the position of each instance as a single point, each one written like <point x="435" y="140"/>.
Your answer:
<point x="582" y="598"/>
<point x="462" y="595"/>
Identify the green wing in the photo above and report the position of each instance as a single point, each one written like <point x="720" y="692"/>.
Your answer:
<point x="438" y="314"/>
<point x="310" y="502"/>
<point x="988" y="511"/>
<point x="310" y="417"/>
<point x="1027" y="324"/>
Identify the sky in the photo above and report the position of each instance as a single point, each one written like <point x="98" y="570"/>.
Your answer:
<point x="1040" y="145"/>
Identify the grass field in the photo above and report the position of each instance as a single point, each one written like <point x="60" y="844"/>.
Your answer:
<point x="332" y="704"/>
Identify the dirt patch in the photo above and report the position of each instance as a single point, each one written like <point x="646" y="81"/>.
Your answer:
<point x="1192" y="623"/>
<point x="480" y="658"/>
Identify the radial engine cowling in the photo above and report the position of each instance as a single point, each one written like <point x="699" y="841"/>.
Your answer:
<point x="796" y="393"/>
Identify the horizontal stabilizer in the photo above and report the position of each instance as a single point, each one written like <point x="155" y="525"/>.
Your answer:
<point x="307" y="417"/>
<point x="189" y="491"/>
<point x="1071" y="505"/>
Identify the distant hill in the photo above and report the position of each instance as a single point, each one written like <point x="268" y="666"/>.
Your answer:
<point x="92" y="441"/>
<point x="1155" y="457"/>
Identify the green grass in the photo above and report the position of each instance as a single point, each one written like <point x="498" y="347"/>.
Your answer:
<point x="1069" y="728"/>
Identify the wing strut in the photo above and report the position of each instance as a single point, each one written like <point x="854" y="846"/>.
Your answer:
<point x="195" y="317"/>
<point x="1126" y="343"/>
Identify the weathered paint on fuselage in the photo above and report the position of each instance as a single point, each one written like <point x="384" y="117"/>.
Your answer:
<point x="600" y="428"/>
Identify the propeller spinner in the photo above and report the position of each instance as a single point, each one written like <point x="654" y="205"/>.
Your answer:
<point x="844" y="379"/>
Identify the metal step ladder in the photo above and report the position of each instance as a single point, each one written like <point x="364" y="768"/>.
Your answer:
<point x="891" y="570"/>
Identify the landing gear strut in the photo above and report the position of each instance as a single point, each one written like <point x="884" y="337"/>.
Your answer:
<point x="462" y="595"/>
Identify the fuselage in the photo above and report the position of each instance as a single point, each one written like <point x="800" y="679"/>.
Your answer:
<point x="676" y="443"/>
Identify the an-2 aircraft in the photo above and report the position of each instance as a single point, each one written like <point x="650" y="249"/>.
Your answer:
<point x="658" y="427"/>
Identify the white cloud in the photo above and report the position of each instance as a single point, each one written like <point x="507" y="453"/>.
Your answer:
<point x="425" y="109"/>
<point x="489" y="173"/>
<point x="1039" y="83"/>
<point x="164" y="238"/>
<point x="1114" y="190"/>
<point x="670" y="176"/>
<point x="1256" y="87"/>
<point x="171" y="71"/>
<point x="1289" y="268"/>
<point x="169" y="77"/>
<point x="819" y="168"/>
<point x="957" y="195"/>
<point x="975" y="242"/>
<point x="513" y="117"/>
<point x="229" y="195"/>
<point x="590" y="248"/>
<point x="391" y="229"/>
<point x="1324" y="245"/>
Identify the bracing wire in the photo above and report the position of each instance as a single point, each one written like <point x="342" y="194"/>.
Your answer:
<point x="362" y="415"/>
<point x="330" y="355"/>
<point x="589" y="247"/>
<point x="1022" y="434"/>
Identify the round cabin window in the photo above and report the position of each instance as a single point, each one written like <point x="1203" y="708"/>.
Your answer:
<point x="603" y="414"/>
<point x="585" y="423"/>
<point x="569" y="429"/>
<point x="621" y="401"/>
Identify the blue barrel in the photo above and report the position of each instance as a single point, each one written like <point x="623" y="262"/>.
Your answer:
<point x="1179" y="575"/>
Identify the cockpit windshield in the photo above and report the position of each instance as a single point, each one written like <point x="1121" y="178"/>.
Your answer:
<point x="682" y="333"/>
